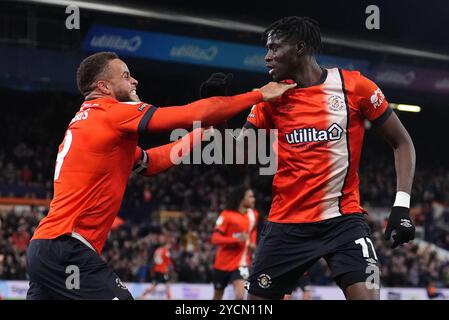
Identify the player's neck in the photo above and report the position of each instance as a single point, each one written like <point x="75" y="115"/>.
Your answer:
<point x="308" y="73"/>
<point x="242" y="209"/>
<point x="97" y="95"/>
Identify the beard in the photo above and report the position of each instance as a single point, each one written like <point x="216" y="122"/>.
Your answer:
<point x="125" y="96"/>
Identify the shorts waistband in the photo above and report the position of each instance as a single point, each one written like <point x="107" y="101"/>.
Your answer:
<point x="81" y="238"/>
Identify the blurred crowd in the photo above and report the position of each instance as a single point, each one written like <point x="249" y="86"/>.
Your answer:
<point x="130" y="247"/>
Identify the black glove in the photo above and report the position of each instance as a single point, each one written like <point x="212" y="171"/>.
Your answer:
<point x="400" y="221"/>
<point x="216" y="85"/>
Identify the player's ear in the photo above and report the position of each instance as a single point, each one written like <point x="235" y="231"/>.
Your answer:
<point x="300" y="48"/>
<point x="103" y="87"/>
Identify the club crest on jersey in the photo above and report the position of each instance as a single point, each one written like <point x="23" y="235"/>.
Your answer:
<point x="377" y="98"/>
<point x="333" y="133"/>
<point x="336" y="103"/>
<point x="264" y="281"/>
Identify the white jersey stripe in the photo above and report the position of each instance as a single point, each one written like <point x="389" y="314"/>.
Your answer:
<point x="338" y="117"/>
<point x="251" y="222"/>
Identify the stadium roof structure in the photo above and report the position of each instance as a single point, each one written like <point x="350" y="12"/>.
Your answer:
<point x="182" y="16"/>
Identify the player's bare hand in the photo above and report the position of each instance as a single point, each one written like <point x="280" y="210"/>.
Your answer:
<point x="272" y="90"/>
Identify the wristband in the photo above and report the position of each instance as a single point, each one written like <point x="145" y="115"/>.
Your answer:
<point x="402" y="199"/>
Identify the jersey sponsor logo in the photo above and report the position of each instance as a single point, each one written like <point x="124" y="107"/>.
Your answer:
<point x="142" y="107"/>
<point x="264" y="281"/>
<point x="377" y="98"/>
<point x="251" y="114"/>
<point x="336" y="103"/>
<point x="406" y="223"/>
<point x="120" y="284"/>
<point x="333" y="133"/>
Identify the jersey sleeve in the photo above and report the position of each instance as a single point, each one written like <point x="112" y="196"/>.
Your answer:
<point x="221" y="225"/>
<point x="131" y="117"/>
<point x="259" y="117"/>
<point x="221" y="235"/>
<point x="372" y="102"/>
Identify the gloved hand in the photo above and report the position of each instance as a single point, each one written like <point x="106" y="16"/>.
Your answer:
<point x="400" y="221"/>
<point x="216" y="85"/>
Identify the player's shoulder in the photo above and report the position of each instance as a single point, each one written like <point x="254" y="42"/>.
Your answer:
<point x="231" y="215"/>
<point x="350" y="76"/>
<point x="131" y="105"/>
<point x="227" y="213"/>
<point x="355" y="75"/>
<point x="355" y="81"/>
<point x="256" y="212"/>
<point x="265" y="106"/>
<point x="261" y="105"/>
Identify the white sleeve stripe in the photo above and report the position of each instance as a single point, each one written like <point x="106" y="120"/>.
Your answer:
<point x="132" y="102"/>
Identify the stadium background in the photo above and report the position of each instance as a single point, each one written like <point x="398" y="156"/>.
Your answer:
<point x="171" y="47"/>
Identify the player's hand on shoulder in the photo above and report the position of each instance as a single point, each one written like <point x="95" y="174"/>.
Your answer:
<point x="400" y="223"/>
<point x="273" y="90"/>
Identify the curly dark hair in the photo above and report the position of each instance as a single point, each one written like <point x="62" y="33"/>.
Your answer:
<point x="90" y="68"/>
<point x="297" y="29"/>
<point x="236" y="196"/>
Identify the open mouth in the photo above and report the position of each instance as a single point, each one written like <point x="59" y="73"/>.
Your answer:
<point x="133" y="91"/>
<point x="270" y="69"/>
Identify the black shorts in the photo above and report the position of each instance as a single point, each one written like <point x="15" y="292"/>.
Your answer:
<point x="222" y="278"/>
<point x="158" y="277"/>
<point x="65" y="268"/>
<point x="286" y="251"/>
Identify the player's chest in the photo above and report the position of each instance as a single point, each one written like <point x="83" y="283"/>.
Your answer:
<point x="308" y="111"/>
<point x="239" y="223"/>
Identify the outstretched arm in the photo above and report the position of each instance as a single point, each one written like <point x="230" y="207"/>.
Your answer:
<point x="234" y="144"/>
<point x="156" y="160"/>
<point x="219" y="239"/>
<point x="212" y="110"/>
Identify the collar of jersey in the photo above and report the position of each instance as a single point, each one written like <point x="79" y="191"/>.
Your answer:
<point x="322" y="79"/>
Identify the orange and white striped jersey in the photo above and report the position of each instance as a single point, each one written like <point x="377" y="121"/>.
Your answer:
<point x="231" y="253"/>
<point x="162" y="260"/>
<point x="319" y="143"/>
